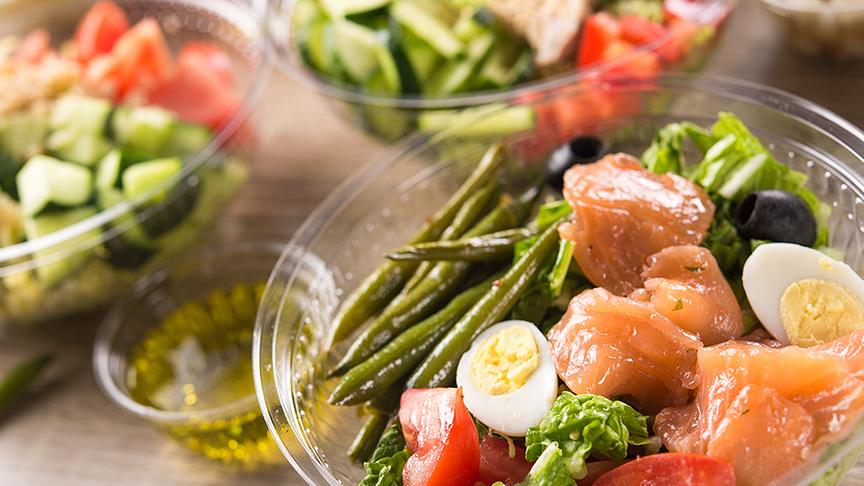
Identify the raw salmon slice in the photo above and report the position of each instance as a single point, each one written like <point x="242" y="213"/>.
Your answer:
<point x="685" y="284"/>
<point x="620" y="348"/>
<point x="767" y="410"/>
<point x="622" y="214"/>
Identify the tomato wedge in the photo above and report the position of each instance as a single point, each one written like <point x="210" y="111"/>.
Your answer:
<point x="33" y="47"/>
<point x="598" y="32"/>
<point x="497" y="465"/>
<point x="99" y="30"/>
<point x="671" y="469"/>
<point x="196" y="95"/>
<point x="639" y="30"/>
<point x="140" y="59"/>
<point x="210" y="57"/>
<point x="441" y="436"/>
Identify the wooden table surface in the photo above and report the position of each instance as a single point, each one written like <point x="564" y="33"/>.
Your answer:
<point x="69" y="434"/>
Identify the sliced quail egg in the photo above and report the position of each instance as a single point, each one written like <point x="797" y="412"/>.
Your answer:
<point x="802" y="296"/>
<point x="508" y="377"/>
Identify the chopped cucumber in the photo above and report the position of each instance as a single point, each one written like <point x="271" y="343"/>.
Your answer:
<point x="133" y="233"/>
<point x="363" y="51"/>
<point x="146" y="128"/>
<point x="467" y="28"/>
<point x="86" y="114"/>
<point x="453" y="76"/>
<point x="504" y="67"/>
<point x="421" y="19"/>
<point x="45" y="180"/>
<point x="423" y="58"/>
<point x="165" y="215"/>
<point x="22" y="135"/>
<point x="390" y="123"/>
<point x="408" y="80"/>
<point x="321" y="47"/>
<point x="108" y="171"/>
<point x="186" y="140"/>
<point x="499" y="121"/>
<point x="77" y="145"/>
<point x="56" y="263"/>
<point x="144" y="177"/>
<point x="742" y="176"/>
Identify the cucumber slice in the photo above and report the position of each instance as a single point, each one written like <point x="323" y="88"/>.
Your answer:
<point x="45" y="180"/>
<point x="108" y="171"/>
<point x="505" y="66"/>
<point x="22" y="135"/>
<point x="742" y="176"/>
<point x="85" y="113"/>
<point x="321" y="47"/>
<point x="186" y="140"/>
<point x="466" y="28"/>
<point x="341" y="8"/>
<point x="133" y="232"/>
<point x="78" y="145"/>
<point x="407" y="77"/>
<point x="164" y="216"/>
<point x="389" y="123"/>
<point x="59" y="261"/>
<point x="144" y="177"/>
<point x="146" y="128"/>
<point x="455" y="75"/>
<point x="500" y="122"/>
<point x="363" y="51"/>
<point x="423" y="58"/>
<point x="421" y="19"/>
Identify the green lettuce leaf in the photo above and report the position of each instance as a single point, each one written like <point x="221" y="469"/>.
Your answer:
<point x="549" y="470"/>
<point x="583" y="425"/>
<point x="385" y="466"/>
<point x="666" y="152"/>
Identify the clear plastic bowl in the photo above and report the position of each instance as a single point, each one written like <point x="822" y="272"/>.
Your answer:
<point x="832" y="29"/>
<point x="378" y="208"/>
<point x="390" y="118"/>
<point x="211" y="177"/>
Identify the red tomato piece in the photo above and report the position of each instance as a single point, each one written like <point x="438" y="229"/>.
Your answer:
<point x="671" y="469"/>
<point x="497" y="465"/>
<point x="639" y="30"/>
<point x="441" y="436"/>
<point x="634" y="62"/>
<point x="141" y="58"/>
<point x="208" y="56"/>
<point x="196" y="95"/>
<point x="99" y="30"/>
<point x="598" y="31"/>
<point x="700" y="12"/>
<point x="679" y="41"/>
<point x="33" y="47"/>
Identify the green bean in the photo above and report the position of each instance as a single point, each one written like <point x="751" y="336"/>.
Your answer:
<point x="401" y="355"/>
<point x="387" y="280"/>
<point x="439" y="367"/>
<point x="19" y="379"/>
<point x="379" y="411"/>
<point x="440" y="283"/>
<point x="467" y="216"/>
<point x="492" y="247"/>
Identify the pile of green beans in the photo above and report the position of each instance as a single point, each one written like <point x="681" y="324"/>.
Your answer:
<point x="423" y="306"/>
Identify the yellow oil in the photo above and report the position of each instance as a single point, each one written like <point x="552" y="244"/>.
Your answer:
<point x="198" y="361"/>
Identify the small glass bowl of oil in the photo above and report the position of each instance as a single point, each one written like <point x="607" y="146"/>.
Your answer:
<point x="177" y="351"/>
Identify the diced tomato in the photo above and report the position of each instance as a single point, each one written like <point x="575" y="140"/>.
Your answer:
<point x="441" y="436"/>
<point x="497" y="465"/>
<point x="679" y="41"/>
<point x="33" y="47"/>
<point x="597" y="32"/>
<point x="196" y="95"/>
<point x="208" y="56"/>
<point x="639" y="30"/>
<point x="634" y="62"/>
<point x="99" y="30"/>
<point x="671" y="469"/>
<point x="700" y="12"/>
<point x="140" y="59"/>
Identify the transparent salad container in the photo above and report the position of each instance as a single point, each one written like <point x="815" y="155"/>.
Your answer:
<point x="82" y="277"/>
<point x="390" y="118"/>
<point x="378" y="208"/>
<point x="832" y="29"/>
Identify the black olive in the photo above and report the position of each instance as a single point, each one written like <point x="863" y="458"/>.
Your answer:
<point x="776" y="216"/>
<point x="583" y="149"/>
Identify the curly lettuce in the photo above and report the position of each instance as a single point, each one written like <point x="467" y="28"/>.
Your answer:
<point x="549" y="470"/>
<point x="583" y="425"/>
<point x="385" y="466"/>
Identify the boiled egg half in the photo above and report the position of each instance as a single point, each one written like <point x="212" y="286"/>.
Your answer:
<point x="508" y="377"/>
<point x="802" y="296"/>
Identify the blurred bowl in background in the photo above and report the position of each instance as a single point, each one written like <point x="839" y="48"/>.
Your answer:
<point x="83" y="266"/>
<point x="391" y="117"/>
<point x="379" y="207"/>
<point x="833" y="29"/>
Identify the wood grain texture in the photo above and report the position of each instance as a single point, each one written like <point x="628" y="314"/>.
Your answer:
<point x="71" y="435"/>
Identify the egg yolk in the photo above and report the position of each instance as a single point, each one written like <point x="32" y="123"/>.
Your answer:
<point x="818" y="311"/>
<point x="505" y="361"/>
